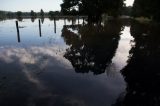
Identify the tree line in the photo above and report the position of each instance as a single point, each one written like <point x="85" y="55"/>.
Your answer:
<point x="147" y="8"/>
<point x="32" y="14"/>
<point x="92" y="8"/>
<point x="95" y="8"/>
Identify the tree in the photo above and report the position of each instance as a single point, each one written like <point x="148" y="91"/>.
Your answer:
<point x="54" y="13"/>
<point x="2" y="14"/>
<point x="19" y="14"/>
<point x="93" y="8"/>
<point x="141" y="73"/>
<point x="147" y="8"/>
<point x="51" y="13"/>
<point x="33" y="14"/>
<point x="126" y="11"/>
<point x="94" y="49"/>
<point x="42" y="13"/>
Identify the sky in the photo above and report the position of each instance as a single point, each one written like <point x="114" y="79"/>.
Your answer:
<point x="28" y="5"/>
<point x="129" y="2"/>
<point x="36" y="5"/>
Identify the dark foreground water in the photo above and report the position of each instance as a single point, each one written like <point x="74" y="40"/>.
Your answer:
<point x="70" y="63"/>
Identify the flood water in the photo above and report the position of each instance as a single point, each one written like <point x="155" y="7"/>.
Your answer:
<point x="69" y="63"/>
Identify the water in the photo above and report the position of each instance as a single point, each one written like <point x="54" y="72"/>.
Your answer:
<point x="66" y="64"/>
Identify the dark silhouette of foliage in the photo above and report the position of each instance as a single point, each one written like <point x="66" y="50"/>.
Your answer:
<point x="54" y="13"/>
<point x="2" y="14"/>
<point x="142" y="72"/>
<point x="42" y="13"/>
<point x="93" y="8"/>
<point x="51" y="13"/>
<point x="19" y="14"/>
<point x="126" y="11"/>
<point x="33" y="14"/>
<point x="147" y="8"/>
<point x="11" y="15"/>
<point x="93" y="47"/>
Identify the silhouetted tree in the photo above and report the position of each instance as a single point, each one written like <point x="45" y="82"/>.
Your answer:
<point x="142" y="72"/>
<point x="51" y="13"/>
<point x="93" y="8"/>
<point x="33" y="14"/>
<point x="2" y="14"/>
<point x="126" y="11"/>
<point x="42" y="13"/>
<point x="11" y="15"/>
<point x="92" y="47"/>
<point x="19" y="14"/>
<point x="147" y="8"/>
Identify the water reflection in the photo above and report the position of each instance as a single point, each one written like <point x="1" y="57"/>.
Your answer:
<point x="142" y="72"/>
<point x="64" y="21"/>
<point x="43" y="68"/>
<point x="93" y="47"/>
<point x="126" y="42"/>
<point x="20" y="69"/>
<point x="20" y="19"/>
<point x="33" y="19"/>
<point x="42" y="20"/>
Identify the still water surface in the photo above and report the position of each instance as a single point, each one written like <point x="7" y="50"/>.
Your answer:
<point x="71" y="64"/>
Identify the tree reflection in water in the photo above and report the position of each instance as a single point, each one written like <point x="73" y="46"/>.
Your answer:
<point x="142" y="72"/>
<point x="92" y="47"/>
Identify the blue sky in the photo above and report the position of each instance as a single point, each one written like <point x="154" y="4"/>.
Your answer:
<point x="36" y="5"/>
<point x="28" y="5"/>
